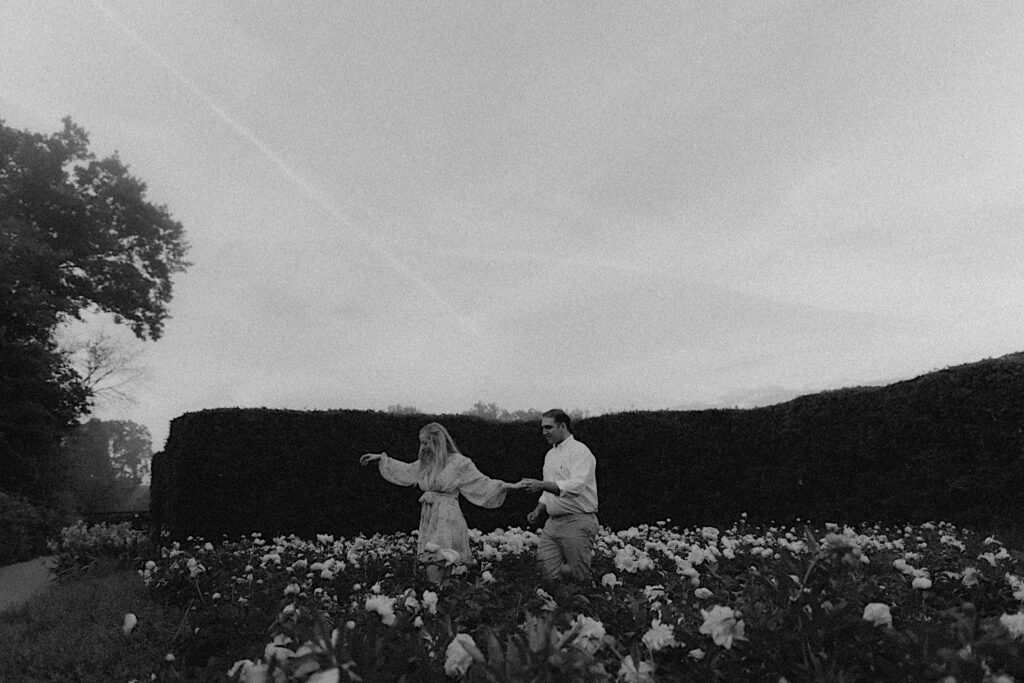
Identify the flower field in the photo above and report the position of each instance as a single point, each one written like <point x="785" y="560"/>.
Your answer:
<point x="928" y="602"/>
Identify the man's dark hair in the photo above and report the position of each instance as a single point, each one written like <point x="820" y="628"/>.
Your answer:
<point x="560" y="417"/>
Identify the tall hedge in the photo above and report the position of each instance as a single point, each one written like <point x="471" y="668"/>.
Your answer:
<point x="233" y="471"/>
<point x="946" y="445"/>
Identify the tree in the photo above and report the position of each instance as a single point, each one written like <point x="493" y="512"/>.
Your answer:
<point x="40" y="394"/>
<point x="77" y="234"/>
<point x="107" y="363"/>
<point x="110" y="461"/>
<point x="116" y="250"/>
<point x="495" y="413"/>
<point x="399" y="409"/>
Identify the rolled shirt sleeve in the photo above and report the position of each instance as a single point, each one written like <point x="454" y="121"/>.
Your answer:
<point x="572" y="467"/>
<point x="581" y="470"/>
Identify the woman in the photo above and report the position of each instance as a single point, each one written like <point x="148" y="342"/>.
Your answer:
<point x="442" y="474"/>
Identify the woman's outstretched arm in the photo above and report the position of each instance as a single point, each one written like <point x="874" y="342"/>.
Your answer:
<point x="480" y="489"/>
<point x="395" y="471"/>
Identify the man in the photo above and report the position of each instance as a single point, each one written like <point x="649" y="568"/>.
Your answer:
<point x="569" y="497"/>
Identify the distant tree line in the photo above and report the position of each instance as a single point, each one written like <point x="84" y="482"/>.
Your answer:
<point x="494" y="412"/>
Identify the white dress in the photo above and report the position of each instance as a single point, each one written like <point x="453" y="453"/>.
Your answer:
<point x="441" y="520"/>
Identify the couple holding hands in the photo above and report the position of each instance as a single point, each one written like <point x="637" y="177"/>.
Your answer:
<point x="568" y="496"/>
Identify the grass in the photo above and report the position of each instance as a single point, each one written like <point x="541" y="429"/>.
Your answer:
<point x="72" y="631"/>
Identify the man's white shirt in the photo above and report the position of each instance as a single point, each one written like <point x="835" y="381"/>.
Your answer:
<point x="573" y="468"/>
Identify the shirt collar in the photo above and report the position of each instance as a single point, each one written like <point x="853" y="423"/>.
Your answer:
<point x="565" y="441"/>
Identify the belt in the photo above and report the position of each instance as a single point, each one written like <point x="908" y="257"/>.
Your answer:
<point x="434" y="497"/>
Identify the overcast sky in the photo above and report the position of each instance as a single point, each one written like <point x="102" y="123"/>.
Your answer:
<point x="600" y="206"/>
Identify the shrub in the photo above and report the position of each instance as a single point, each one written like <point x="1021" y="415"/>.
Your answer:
<point x="25" y="528"/>
<point x="81" y="546"/>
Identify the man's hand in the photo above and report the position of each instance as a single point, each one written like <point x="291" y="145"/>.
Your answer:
<point x="533" y="517"/>
<point x="532" y="485"/>
<point x="367" y="458"/>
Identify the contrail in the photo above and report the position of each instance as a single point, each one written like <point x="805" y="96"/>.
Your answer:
<point x="582" y="260"/>
<point x="312" y="192"/>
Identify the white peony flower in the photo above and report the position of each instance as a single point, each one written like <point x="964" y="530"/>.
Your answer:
<point x="610" y="580"/>
<point x="450" y="556"/>
<point x="549" y="602"/>
<point x="459" y="655"/>
<point x="249" y="671"/>
<point x="631" y="672"/>
<point x="659" y="636"/>
<point x="277" y="651"/>
<point x="696" y="653"/>
<point x="591" y="634"/>
<point x="625" y="561"/>
<point x="1017" y="584"/>
<point x="702" y="593"/>
<point x="130" y="620"/>
<point x="970" y="577"/>
<point x="1014" y="623"/>
<point x="921" y="583"/>
<point x="430" y="601"/>
<point x="332" y="675"/>
<point x="723" y="625"/>
<point x="384" y="606"/>
<point x="878" y="614"/>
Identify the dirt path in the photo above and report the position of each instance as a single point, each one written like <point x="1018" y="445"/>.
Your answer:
<point x="19" y="582"/>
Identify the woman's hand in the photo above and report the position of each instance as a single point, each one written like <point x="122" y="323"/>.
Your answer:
<point x="532" y="485"/>
<point x="367" y="458"/>
<point x="508" y="486"/>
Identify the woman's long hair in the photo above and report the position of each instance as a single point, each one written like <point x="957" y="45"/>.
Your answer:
<point x="434" y="454"/>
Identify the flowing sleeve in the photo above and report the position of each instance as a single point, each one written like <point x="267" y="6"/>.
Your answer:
<point x="398" y="472"/>
<point x="478" y="488"/>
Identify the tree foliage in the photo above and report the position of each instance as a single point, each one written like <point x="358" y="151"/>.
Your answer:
<point x="40" y="394"/>
<point x="495" y="413"/>
<point x="109" y="461"/>
<point x="112" y="248"/>
<point x="76" y="234"/>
